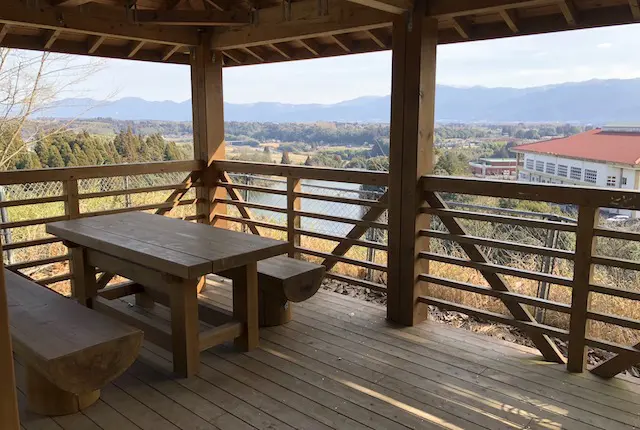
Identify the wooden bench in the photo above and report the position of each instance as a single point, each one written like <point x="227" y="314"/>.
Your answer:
<point x="69" y="351"/>
<point x="282" y="280"/>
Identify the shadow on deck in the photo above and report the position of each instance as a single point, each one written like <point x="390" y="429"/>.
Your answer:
<point x="340" y="365"/>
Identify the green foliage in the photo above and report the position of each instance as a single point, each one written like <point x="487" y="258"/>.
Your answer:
<point x="452" y="163"/>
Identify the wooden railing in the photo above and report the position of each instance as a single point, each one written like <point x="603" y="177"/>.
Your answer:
<point x="591" y="310"/>
<point x="69" y="194"/>
<point x="297" y="206"/>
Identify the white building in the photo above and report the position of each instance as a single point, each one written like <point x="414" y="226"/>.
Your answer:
<point x="607" y="157"/>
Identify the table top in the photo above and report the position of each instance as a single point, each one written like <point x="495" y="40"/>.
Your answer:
<point x="169" y="245"/>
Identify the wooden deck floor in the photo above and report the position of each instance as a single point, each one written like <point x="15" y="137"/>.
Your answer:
<point x="340" y="365"/>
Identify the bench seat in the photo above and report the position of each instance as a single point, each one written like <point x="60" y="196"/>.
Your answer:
<point x="282" y="280"/>
<point x="69" y="351"/>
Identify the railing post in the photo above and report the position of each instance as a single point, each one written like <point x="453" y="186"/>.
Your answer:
<point x="293" y="220"/>
<point x="72" y="202"/>
<point x="208" y="126"/>
<point x="8" y="401"/>
<point x="582" y="276"/>
<point x="410" y="157"/>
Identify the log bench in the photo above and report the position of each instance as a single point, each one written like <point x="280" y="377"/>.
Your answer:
<point x="69" y="351"/>
<point x="282" y="280"/>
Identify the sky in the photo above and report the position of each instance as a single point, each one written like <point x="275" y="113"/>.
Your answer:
<point x="526" y="61"/>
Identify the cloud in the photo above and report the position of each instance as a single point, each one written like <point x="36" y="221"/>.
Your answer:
<point x="604" y="45"/>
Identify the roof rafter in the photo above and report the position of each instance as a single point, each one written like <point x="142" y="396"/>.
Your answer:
<point x="462" y="26"/>
<point x="341" y="42"/>
<point x="280" y="50"/>
<point x="4" y="30"/>
<point x="50" y="38"/>
<point x="510" y="17"/>
<point x="198" y="18"/>
<point x="134" y="48"/>
<point x="453" y="8"/>
<point x="94" y="43"/>
<point x="305" y="22"/>
<point x="569" y="11"/>
<point x="397" y="7"/>
<point x="96" y="21"/>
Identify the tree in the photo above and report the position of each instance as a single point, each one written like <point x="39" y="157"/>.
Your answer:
<point x="285" y="158"/>
<point x="29" y="83"/>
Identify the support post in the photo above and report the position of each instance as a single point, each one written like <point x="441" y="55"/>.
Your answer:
<point x="208" y="125"/>
<point x="8" y="397"/>
<point x="415" y="39"/>
<point x="293" y="220"/>
<point x="582" y="276"/>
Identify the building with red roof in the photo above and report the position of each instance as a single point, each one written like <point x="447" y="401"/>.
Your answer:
<point x="606" y="157"/>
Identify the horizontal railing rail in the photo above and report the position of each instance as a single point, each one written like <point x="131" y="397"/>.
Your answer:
<point x="492" y="250"/>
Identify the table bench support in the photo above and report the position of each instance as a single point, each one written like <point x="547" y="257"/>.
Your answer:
<point x="185" y="326"/>
<point x="83" y="276"/>
<point x="245" y="305"/>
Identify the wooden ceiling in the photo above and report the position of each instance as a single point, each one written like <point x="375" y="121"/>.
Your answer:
<point x="266" y="31"/>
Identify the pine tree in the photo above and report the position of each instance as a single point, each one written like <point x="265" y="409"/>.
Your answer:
<point x="285" y="158"/>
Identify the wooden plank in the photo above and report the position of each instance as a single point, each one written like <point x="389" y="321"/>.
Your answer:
<point x="190" y="239"/>
<point x="618" y="363"/>
<point x="339" y="199"/>
<point x="208" y="121"/>
<point x="245" y="305"/>
<point x="397" y="7"/>
<point x="250" y="222"/>
<point x="122" y="289"/>
<point x="502" y="219"/>
<point x="184" y="327"/>
<point x="42" y="339"/>
<point x="37" y="201"/>
<point x="546" y="346"/>
<point x="93" y="20"/>
<point x="357" y="281"/>
<point x="12" y="177"/>
<point x="582" y="277"/>
<point x="366" y="224"/>
<point x="28" y="243"/>
<point x="294" y="205"/>
<point x="34" y="263"/>
<point x="352" y="242"/>
<point x="179" y="192"/>
<point x="127" y="248"/>
<point x="217" y="335"/>
<point x="94" y="43"/>
<point x="353" y="176"/>
<point x="501" y="244"/>
<point x="9" y="416"/>
<point x="510" y="18"/>
<point x="83" y="277"/>
<point x="552" y="193"/>
<point x="342" y="259"/>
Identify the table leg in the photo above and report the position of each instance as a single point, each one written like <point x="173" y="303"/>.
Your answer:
<point x="184" y="327"/>
<point x="84" y="287"/>
<point x="245" y="305"/>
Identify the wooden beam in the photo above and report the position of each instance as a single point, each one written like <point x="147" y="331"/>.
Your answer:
<point x="569" y="11"/>
<point x="311" y="46"/>
<point x="168" y="53"/>
<point x="253" y="54"/>
<point x="397" y="7"/>
<point x="635" y="9"/>
<point x="198" y="18"/>
<point x="208" y="126"/>
<point x="280" y="51"/>
<point x="510" y="17"/>
<point x="273" y="27"/>
<point x="378" y="38"/>
<point x="94" y="43"/>
<point x="462" y="26"/>
<point x="68" y="3"/>
<point x="232" y="55"/>
<point x="445" y="9"/>
<point x="4" y="30"/>
<point x="134" y="47"/>
<point x="617" y="363"/>
<point x="341" y="42"/>
<point x="93" y="20"/>
<point x="8" y="398"/>
<point x="413" y="86"/>
<point x="50" y="38"/>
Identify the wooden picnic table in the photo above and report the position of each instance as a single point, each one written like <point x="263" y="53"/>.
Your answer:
<point x="171" y="257"/>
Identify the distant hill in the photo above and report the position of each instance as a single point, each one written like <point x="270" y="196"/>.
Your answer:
<point x="596" y="102"/>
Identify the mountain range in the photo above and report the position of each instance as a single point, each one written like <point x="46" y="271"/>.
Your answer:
<point x="591" y="102"/>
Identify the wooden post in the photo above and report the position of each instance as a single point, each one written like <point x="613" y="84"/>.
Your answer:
<point x="72" y="203"/>
<point x="293" y="220"/>
<point x="582" y="275"/>
<point x="185" y="333"/>
<point x="415" y="40"/>
<point x="208" y="125"/>
<point x="245" y="305"/>
<point x="8" y="400"/>
<point x="84" y="287"/>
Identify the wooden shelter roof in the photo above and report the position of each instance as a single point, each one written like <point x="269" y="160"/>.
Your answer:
<point x="265" y="31"/>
